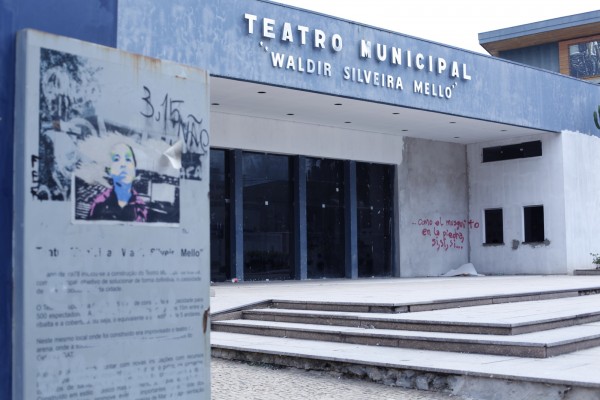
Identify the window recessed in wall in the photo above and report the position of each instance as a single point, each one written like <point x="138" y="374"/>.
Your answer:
<point x="533" y="222"/>
<point x="494" y="228"/>
<point x="582" y="57"/>
<point x="513" y="151"/>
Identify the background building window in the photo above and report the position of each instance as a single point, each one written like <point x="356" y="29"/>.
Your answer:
<point x="584" y="59"/>
<point x="580" y="58"/>
<point x="494" y="227"/>
<point x="533" y="218"/>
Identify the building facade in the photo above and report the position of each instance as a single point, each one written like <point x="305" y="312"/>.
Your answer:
<point x="343" y="150"/>
<point x="568" y="45"/>
<point x="340" y="150"/>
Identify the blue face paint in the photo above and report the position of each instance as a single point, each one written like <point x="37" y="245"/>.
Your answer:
<point x="122" y="171"/>
<point x="122" y="189"/>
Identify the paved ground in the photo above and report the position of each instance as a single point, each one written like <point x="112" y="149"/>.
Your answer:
<point x="232" y="380"/>
<point x="414" y="290"/>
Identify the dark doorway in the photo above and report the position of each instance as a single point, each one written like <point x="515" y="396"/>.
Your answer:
<point x="267" y="216"/>
<point x="375" y="195"/>
<point x="219" y="215"/>
<point x="325" y="227"/>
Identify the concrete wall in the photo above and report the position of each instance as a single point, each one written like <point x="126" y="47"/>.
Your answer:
<point x="274" y="136"/>
<point x="432" y="196"/>
<point x="582" y="199"/>
<point x="511" y="185"/>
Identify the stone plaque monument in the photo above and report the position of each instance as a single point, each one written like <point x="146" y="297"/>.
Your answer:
<point x="111" y="225"/>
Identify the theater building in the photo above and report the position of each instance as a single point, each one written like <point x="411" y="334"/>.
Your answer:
<point x="340" y="150"/>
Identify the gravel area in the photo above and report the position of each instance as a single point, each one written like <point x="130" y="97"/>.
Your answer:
<point x="233" y="380"/>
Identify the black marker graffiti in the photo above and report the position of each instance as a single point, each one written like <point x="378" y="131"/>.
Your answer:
<point x="68" y="89"/>
<point x="35" y="181"/>
<point x="189" y="128"/>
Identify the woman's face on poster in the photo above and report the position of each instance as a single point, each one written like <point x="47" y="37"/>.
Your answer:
<point x="122" y="167"/>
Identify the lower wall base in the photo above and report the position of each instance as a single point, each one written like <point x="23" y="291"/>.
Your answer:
<point x="454" y="384"/>
<point x="586" y="272"/>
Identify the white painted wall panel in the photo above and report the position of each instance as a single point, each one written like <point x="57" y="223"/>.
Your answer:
<point x="511" y="185"/>
<point x="276" y="136"/>
<point x="582" y="198"/>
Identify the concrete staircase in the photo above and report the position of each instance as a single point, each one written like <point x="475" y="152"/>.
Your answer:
<point x="382" y="340"/>
<point x="540" y="329"/>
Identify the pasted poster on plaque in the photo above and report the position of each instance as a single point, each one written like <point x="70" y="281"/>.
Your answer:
<point x="111" y="226"/>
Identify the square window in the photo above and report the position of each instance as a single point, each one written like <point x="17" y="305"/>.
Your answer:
<point x="583" y="59"/>
<point x="494" y="228"/>
<point x="533" y="220"/>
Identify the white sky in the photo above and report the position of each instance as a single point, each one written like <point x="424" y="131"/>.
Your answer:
<point x="453" y="22"/>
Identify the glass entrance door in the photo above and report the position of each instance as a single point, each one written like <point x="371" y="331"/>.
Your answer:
<point x="267" y="216"/>
<point x="325" y="228"/>
<point x="219" y="215"/>
<point x="374" y="194"/>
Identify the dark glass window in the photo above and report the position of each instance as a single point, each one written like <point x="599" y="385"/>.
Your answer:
<point x="325" y="227"/>
<point x="513" y="151"/>
<point x="219" y="215"/>
<point x="375" y="199"/>
<point x="267" y="216"/>
<point x="584" y="59"/>
<point x="494" y="228"/>
<point x="533" y="218"/>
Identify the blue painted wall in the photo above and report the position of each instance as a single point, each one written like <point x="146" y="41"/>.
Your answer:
<point x="544" y="56"/>
<point x="213" y="35"/>
<point x="90" y="20"/>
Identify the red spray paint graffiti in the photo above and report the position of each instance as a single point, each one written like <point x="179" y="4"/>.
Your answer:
<point x="446" y="234"/>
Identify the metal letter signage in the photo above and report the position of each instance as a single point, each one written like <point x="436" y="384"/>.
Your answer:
<point x="111" y="229"/>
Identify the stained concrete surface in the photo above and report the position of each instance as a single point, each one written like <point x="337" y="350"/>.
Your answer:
<point x="234" y="380"/>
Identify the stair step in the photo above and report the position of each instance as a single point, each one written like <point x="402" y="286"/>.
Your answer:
<point x="441" y="304"/>
<point x="536" y="345"/>
<point x="497" y="319"/>
<point x="501" y="374"/>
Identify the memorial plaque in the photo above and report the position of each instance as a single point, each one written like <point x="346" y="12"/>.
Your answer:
<point x="111" y="228"/>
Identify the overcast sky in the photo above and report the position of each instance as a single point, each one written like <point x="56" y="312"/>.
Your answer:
<point x="454" y="22"/>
